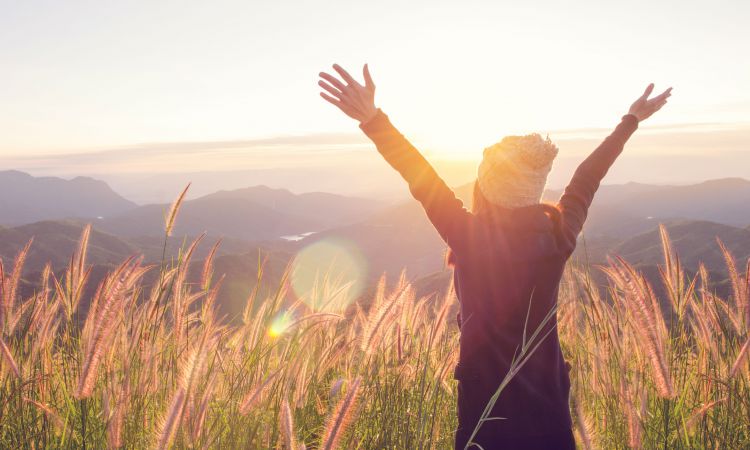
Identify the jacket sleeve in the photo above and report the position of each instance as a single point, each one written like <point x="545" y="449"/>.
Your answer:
<point x="445" y="211"/>
<point x="578" y="195"/>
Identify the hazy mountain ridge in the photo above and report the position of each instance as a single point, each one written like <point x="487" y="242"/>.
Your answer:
<point x="623" y="220"/>
<point x="260" y="213"/>
<point x="55" y="241"/>
<point x="27" y="199"/>
<point x="327" y="209"/>
<point x="723" y="201"/>
<point x="253" y="214"/>
<point x="239" y="218"/>
<point x="695" y="241"/>
<point x="633" y="208"/>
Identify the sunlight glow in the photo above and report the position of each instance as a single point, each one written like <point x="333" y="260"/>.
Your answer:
<point x="483" y="72"/>
<point x="328" y="275"/>
<point x="280" y="324"/>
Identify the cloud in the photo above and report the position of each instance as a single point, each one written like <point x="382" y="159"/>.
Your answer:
<point x="685" y="146"/>
<point x="693" y="139"/>
<point x="281" y="151"/>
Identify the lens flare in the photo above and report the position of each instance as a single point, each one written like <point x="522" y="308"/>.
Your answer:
<point x="280" y="324"/>
<point x="328" y="275"/>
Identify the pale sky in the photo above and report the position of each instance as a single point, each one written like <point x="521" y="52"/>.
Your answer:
<point x="78" y="77"/>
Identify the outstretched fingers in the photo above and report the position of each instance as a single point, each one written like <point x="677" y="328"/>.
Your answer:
<point x="644" y="107"/>
<point x="333" y="80"/>
<point x="355" y="100"/>
<point x="368" y="78"/>
<point x="345" y="75"/>
<point x="332" y="90"/>
<point x="661" y="99"/>
<point x="334" y="101"/>
<point x="664" y="95"/>
<point x="648" y="91"/>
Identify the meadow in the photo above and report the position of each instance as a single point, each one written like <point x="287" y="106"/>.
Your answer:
<point x="153" y="366"/>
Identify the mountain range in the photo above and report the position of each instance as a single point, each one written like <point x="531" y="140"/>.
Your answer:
<point x="27" y="199"/>
<point x="254" y="214"/>
<point x="623" y="220"/>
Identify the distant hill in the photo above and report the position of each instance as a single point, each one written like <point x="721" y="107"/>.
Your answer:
<point x="694" y="242"/>
<point x="399" y="237"/>
<point x="242" y="219"/>
<point x="723" y="201"/>
<point x="55" y="242"/>
<point x="632" y="208"/>
<point x="613" y="222"/>
<point x="27" y="199"/>
<point x="623" y="219"/>
<point x="252" y="214"/>
<point x="329" y="210"/>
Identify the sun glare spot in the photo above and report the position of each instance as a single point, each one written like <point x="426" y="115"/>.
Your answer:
<point x="328" y="275"/>
<point x="280" y="324"/>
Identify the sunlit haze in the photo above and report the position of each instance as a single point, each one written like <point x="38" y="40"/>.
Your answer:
<point x="207" y="81"/>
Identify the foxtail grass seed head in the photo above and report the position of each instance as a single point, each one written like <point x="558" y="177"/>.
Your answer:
<point x="171" y="216"/>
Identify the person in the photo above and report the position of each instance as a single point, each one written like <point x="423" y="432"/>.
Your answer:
<point x="508" y="256"/>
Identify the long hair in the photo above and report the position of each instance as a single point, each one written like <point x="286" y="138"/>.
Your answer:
<point x="481" y="206"/>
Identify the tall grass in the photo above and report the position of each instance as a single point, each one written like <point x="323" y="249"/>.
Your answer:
<point x="151" y="366"/>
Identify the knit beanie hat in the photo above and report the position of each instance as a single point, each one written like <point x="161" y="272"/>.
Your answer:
<point x="514" y="171"/>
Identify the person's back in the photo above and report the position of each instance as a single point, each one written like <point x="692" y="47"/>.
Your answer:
<point x="508" y="258"/>
<point x="506" y="279"/>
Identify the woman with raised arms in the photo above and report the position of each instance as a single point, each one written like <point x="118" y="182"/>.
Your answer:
<point x="508" y="255"/>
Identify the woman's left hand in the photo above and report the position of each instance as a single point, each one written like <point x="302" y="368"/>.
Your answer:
<point x="355" y="100"/>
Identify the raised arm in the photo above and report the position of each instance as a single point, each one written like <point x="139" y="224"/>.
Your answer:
<point x="575" y="201"/>
<point x="443" y="209"/>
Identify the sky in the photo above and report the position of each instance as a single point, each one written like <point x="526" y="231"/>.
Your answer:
<point x="97" y="78"/>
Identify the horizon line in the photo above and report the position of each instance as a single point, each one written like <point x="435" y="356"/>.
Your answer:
<point x="333" y="138"/>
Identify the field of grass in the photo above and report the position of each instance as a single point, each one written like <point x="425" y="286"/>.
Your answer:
<point x="153" y="367"/>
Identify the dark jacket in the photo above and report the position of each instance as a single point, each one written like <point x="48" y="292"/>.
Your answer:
<point x="507" y="268"/>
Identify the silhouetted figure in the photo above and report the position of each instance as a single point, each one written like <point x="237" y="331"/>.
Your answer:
<point x="508" y="255"/>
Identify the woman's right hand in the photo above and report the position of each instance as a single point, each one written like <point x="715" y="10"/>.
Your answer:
<point x="355" y="100"/>
<point x="644" y="107"/>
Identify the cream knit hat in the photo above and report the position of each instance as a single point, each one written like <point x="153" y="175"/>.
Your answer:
<point x="514" y="171"/>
